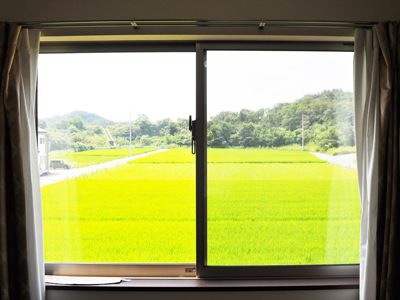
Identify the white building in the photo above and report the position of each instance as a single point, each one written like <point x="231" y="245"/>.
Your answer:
<point x="43" y="151"/>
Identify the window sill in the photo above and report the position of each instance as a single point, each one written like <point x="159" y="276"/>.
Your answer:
<point x="195" y="284"/>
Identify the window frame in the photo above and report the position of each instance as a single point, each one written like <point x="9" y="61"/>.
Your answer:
<point x="273" y="272"/>
<point x="117" y="269"/>
<point x="201" y="268"/>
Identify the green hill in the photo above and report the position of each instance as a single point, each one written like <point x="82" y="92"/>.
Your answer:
<point x="88" y="118"/>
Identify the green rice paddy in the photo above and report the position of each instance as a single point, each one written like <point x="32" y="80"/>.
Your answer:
<point x="265" y="207"/>
<point x="232" y="156"/>
<point x="94" y="157"/>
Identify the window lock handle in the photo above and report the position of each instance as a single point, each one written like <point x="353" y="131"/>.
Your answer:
<point x="192" y="128"/>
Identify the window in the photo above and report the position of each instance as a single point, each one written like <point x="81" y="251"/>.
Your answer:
<point x="259" y="197"/>
<point x="118" y="205"/>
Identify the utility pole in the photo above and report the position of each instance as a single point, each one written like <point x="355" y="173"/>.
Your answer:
<point x="130" y="134"/>
<point x="302" y="132"/>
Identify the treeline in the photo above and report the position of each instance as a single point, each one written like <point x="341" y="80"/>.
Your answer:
<point x="165" y="132"/>
<point x="74" y="134"/>
<point x="327" y="119"/>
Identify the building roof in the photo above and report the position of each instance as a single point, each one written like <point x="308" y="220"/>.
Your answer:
<point x="40" y="130"/>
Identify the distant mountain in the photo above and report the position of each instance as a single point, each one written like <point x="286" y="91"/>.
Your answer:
<point x="88" y="118"/>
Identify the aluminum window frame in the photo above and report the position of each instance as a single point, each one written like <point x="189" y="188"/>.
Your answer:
<point x="265" y="271"/>
<point x="201" y="268"/>
<point x="117" y="269"/>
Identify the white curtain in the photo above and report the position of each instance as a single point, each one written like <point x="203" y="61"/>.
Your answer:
<point x="28" y="49"/>
<point x="366" y="101"/>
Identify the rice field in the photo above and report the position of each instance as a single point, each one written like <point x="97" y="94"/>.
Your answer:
<point x="265" y="207"/>
<point x="94" y="157"/>
<point x="232" y="156"/>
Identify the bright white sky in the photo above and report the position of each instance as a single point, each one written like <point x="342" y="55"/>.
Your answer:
<point x="163" y="85"/>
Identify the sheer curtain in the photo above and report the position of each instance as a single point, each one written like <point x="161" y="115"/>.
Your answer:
<point x="366" y="101"/>
<point x="28" y="46"/>
<point x="21" y="241"/>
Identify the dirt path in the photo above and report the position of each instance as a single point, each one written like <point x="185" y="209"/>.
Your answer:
<point x="58" y="174"/>
<point x="346" y="160"/>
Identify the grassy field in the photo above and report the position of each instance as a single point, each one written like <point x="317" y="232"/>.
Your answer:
<point x="94" y="157"/>
<point x="232" y="156"/>
<point x="264" y="207"/>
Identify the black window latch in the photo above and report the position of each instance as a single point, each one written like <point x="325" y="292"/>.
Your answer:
<point x="192" y="128"/>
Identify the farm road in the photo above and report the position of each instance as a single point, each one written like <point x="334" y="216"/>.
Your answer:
<point x="346" y="160"/>
<point x="58" y="174"/>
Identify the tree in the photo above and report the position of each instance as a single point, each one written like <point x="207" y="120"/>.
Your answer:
<point x="327" y="139"/>
<point x="63" y="124"/>
<point x="226" y="130"/>
<point x="167" y="127"/>
<point x="77" y="122"/>
<point x="145" y="140"/>
<point x="214" y="138"/>
<point x="42" y="124"/>
<point x="246" y="135"/>
<point x="59" y="142"/>
<point x="96" y="129"/>
<point x="73" y="129"/>
<point x="144" y="124"/>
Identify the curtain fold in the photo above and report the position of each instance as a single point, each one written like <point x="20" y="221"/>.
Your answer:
<point x="388" y="228"/>
<point x="21" y="263"/>
<point x="366" y="102"/>
<point x="28" y="49"/>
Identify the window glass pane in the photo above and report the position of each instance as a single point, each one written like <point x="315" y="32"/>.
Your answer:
<point x="116" y="190"/>
<point x="282" y="183"/>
